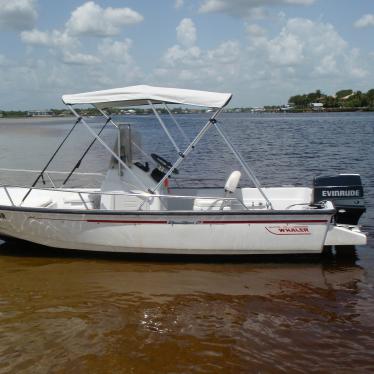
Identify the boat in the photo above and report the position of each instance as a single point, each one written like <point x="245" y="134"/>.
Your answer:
<point x="135" y="210"/>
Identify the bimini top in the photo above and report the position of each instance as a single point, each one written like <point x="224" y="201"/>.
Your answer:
<point x="140" y="95"/>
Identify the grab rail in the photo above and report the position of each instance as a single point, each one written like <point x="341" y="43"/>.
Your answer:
<point x="49" y="171"/>
<point x="144" y="195"/>
<point x="8" y="194"/>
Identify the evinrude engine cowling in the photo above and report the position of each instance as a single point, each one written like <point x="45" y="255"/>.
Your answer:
<point x="346" y="193"/>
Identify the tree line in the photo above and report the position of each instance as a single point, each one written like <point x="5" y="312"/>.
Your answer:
<point x="94" y="112"/>
<point x="342" y="99"/>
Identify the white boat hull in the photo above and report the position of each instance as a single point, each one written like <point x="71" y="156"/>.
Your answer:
<point x="169" y="233"/>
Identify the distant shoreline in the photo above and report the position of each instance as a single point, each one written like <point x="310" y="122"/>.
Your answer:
<point x="21" y="120"/>
<point x="63" y="119"/>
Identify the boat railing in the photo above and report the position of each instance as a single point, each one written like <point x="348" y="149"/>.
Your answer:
<point x="144" y="196"/>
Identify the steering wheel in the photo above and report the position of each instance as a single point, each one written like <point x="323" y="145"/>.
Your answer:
<point x="165" y="164"/>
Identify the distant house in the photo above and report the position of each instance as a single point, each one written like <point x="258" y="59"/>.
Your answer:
<point x="347" y="97"/>
<point x="257" y="109"/>
<point x="287" y="107"/>
<point x="39" y="113"/>
<point x="316" y="106"/>
<point x="128" y="111"/>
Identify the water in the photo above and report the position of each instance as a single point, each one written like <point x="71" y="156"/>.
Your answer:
<point x="71" y="312"/>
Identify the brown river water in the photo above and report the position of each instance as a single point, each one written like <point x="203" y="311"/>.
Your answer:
<point x="70" y="312"/>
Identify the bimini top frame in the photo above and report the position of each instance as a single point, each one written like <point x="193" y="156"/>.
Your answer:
<point x="148" y="95"/>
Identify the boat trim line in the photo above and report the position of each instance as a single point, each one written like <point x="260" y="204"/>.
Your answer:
<point x="170" y="213"/>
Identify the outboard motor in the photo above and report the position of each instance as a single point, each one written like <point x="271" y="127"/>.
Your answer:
<point x="346" y="193"/>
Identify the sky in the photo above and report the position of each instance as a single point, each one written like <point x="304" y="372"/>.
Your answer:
<point x="262" y="51"/>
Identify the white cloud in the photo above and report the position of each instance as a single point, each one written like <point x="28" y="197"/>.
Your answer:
<point x="328" y="65"/>
<point x="227" y="52"/>
<point x="367" y="20"/>
<point x="36" y="37"/>
<point x="17" y="14"/>
<point x="287" y="50"/>
<point x="54" y="38"/>
<point x="177" y="54"/>
<point x="116" y="50"/>
<point x="186" y="51"/>
<point x="255" y="30"/>
<point x="186" y="32"/>
<point x="193" y="66"/>
<point x="91" y="19"/>
<point x="71" y="65"/>
<point x="302" y="56"/>
<point x="266" y="66"/>
<point x="317" y="47"/>
<point x="213" y="6"/>
<point x="67" y="64"/>
<point x="107" y="64"/>
<point x="79" y="58"/>
<point x="356" y="65"/>
<point x="178" y="4"/>
<point x="65" y="46"/>
<point x="245" y="8"/>
<point x="118" y="66"/>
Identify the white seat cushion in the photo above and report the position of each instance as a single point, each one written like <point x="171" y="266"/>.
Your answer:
<point x="209" y="204"/>
<point x="37" y="202"/>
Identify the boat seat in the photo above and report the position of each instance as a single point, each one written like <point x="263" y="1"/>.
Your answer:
<point x="230" y="187"/>
<point x="218" y="203"/>
<point x="130" y="203"/>
<point x="92" y="200"/>
<point x="38" y="202"/>
<point x="209" y="204"/>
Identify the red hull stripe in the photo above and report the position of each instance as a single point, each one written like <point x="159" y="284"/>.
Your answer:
<point x="206" y="222"/>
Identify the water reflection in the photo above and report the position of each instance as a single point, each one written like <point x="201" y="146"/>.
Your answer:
<point x="101" y="313"/>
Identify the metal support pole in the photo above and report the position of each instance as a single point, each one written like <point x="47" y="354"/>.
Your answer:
<point x="148" y="157"/>
<point x="50" y="179"/>
<point x="83" y="156"/>
<point x="176" y="123"/>
<point x="164" y="127"/>
<point x="82" y="199"/>
<point x="118" y="134"/>
<point x="108" y="148"/>
<point x="190" y="147"/>
<point x="244" y="165"/>
<point x="8" y="194"/>
<point x="79" y="118"/>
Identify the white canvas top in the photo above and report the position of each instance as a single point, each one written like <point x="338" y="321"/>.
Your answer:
<point x="139" y="95"/>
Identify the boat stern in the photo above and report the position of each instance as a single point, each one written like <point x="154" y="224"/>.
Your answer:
<point x="345" y="235"/>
